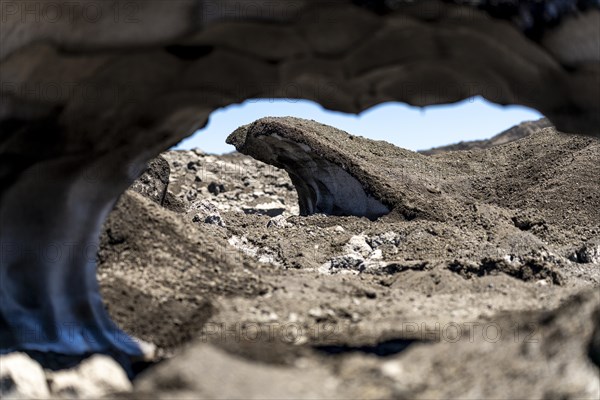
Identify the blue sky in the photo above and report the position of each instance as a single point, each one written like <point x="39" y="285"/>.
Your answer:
<point x="405" y="126"/>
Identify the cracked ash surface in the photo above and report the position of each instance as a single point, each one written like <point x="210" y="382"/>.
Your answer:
<point x="489" y="290"/>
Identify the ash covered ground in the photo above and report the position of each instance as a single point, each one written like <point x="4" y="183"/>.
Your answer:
<point x="496" y="296"/>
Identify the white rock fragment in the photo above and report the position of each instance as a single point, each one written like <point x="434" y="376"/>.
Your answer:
<point x="266" y="259"/>
<point x="392" y="369"/>
<point x="293" y="317"/>
<point x="272" y="209"/>
<point x="278" y="222"/>
<point x="389" y="237"/>
<point x="22" y="378"/>
<point x="96" y="376"/>
<point x="262" y="255"/>
<point x="241" y="243"/>
<point x="376" y="255"/>
<point x="358" y="244"/>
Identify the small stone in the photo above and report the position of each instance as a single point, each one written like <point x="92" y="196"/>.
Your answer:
<point x="589" y="253"/>
<point x="339" y="229"/>
<point x="349" y="263"/>
<point x="392" y="369"/>
<point x="216" y="188"/>
<point x="96" y="376"/>
<point x="191" y="195"/>
<point x="214" y="220"/>
<point x="272" y="209"/>
<point x="315" y="312"/>
<point x="278" y="222"/>
<point x="206" y="212"/>
<point x="389" y="238"/>
<point x="21" y="378"/>
<point x="358" y="244"/>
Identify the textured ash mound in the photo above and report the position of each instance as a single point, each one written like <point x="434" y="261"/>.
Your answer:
<point x="489" y="289"/>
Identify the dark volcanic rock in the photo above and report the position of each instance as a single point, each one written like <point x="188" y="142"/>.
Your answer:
<point x="154" y="182"/>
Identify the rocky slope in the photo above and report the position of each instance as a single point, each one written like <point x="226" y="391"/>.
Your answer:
<point x="493" y="294"/>
<point x="520" y="131"/>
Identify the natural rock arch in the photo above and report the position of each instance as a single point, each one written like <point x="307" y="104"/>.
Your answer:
<point x="88" y="98"/>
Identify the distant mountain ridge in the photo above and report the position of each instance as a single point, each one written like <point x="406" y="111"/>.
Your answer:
<point x="520" y="131"/>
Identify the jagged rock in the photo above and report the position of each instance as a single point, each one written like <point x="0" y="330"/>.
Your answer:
<point x="94" y="377"/>
<point x="278" y="222"/>
<point x="22" y="378"/>
<point x="154" y="182"/>
<point x="589" y="253"/>
<point x="358" y="244"/>
<point x="205" y="211"/>
<point x="319" y="160"/>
